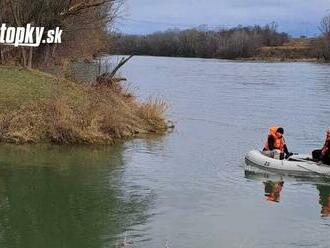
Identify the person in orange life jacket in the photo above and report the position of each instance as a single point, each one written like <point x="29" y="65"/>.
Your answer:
<point x="323" y="155"/>
<point x="276" y="144"/>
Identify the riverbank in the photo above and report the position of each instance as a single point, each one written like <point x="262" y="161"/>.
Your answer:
<point x="36" y="107"/>
<point x="295" y="50"/>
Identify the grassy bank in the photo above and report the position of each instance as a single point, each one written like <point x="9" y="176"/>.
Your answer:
<point x="36" y="107"/>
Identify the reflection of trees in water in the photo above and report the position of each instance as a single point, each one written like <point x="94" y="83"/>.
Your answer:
<point x="66" y="197"/>
<point x="324" y="193"/>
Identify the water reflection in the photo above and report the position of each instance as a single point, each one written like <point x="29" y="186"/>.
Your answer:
<point x="273" y="185"/>
<point x="324" y="193"/>
<point x="187" y="188"/>
<point x="273" y="190"/>
<point x="55" y="196"/>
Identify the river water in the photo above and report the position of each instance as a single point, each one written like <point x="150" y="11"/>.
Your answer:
<point x="188" y="188"/>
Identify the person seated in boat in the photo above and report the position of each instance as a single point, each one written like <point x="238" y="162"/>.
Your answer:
<point x="275" y="146"/>
<point x="323" y="155"/>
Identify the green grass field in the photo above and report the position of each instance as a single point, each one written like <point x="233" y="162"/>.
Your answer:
<point x="19" y="86"/>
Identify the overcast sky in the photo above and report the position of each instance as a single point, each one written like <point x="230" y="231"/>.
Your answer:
<point x="297" y="17"/>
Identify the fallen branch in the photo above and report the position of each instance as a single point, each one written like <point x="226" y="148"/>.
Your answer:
<point x="109" y="78"/>
<point x="122" y="62"/>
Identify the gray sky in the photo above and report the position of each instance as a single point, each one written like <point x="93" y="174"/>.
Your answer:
<point x="297" y="17"/>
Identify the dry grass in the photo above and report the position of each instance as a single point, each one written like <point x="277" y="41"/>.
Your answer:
<point x="73" y="113"/>
<point x="293" y="44"/>
<point x="295" y="49"/>
<point x="153" y="111"/>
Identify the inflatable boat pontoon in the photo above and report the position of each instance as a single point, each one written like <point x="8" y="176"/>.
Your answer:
<point x="300" y="164"/>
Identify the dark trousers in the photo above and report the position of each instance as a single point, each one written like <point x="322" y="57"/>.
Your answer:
<point x="317" y="156"/>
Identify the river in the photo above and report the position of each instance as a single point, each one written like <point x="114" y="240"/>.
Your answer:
<point x="188" y="188"/>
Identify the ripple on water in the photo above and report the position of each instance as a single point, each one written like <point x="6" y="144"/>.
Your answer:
<point x="189" y="187"/>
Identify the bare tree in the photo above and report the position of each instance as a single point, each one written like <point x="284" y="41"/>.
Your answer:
<point x="224" y="43"/>
<point x="85" y="23"/>
<point x="325" y="39"/>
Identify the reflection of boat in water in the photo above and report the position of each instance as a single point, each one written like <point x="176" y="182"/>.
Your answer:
<point x="295" y="165"/>
<point x="273" y="185"/>
<point x="324" y="193"/>
<point x="273" y="190"/>
<point x="261" y="175"/>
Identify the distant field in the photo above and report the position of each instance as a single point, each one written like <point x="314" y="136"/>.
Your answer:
<point x="295" y="49"/>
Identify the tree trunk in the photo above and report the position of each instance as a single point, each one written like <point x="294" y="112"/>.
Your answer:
<point x="54" y="50"/>
<point x="30" y="58"/>
<point x="24" y="56"/>
<point x="120" y="64"/>
<point x="46" y="55"/>
<point x="2" y="61"/>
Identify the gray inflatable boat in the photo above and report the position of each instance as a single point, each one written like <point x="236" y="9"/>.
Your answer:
<point x="298" y="164"/>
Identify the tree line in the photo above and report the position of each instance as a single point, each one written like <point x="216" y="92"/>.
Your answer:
<point x="87" y="26"/>
<point x="238" y="42"/>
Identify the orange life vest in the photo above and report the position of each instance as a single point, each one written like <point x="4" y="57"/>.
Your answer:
<point x="274" y="197"/>
<point x="279" y="143"/>
<point x="325" y="147"/>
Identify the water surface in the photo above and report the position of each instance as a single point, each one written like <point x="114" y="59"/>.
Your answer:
<point x="189" y="188"/>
